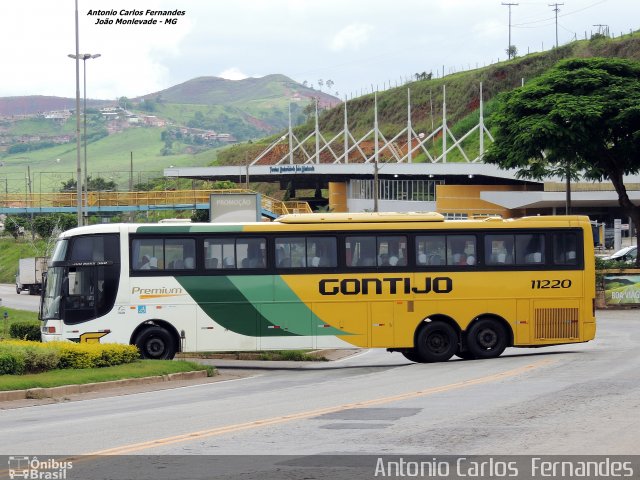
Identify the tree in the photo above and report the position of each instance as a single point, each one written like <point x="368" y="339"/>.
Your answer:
<point x="51" y="225"/>
<point x="93" y="184"/>
<point x="320" y="84"/>
<point x="512" y="51"/>
<point x="584" y="111"/>
<point x="329" y="83"/>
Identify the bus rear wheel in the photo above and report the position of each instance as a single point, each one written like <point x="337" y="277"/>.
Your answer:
<point x="487" y="338"/>
<point x="436" y="342"/>
<point x="156" y="343"/>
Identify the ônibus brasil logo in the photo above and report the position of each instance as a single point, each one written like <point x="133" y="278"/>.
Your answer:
<point x="32" y="468"/>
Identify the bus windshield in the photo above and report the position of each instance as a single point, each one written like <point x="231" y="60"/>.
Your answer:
<point x="52" y="294"/>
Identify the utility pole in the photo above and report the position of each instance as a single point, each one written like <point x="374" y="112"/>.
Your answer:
<point x="509" y="46"/>
<point x="556" y="9"/>
<point x="602" y="29"/>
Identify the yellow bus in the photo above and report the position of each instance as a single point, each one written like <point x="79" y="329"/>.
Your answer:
<point x="409" y="282"/>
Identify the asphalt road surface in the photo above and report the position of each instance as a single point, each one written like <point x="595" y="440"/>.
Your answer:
<point x="23" y="301"/>
<point x="574" y="399"/>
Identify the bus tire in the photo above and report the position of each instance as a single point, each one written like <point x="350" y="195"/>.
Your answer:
<point x="412" y="355"/>
<point x="156" y="343"/>
<point x="437" y="341"/>
<point x="487" y="338"/>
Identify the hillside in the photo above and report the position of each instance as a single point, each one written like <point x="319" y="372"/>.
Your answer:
<point x="247" y="109"/>
<point x="194" y="119"/>
<point x="462" y="98"/>
<point x="219" y="91"/>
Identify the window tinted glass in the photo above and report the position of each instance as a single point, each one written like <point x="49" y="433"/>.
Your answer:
<point x="94" y="248"/>
<point x="461" y="250"/>
<point x="251" y="253"/>
<point x="147" y="254"/>
<point x="499" y="249"/>
<point x="565" y="248"/>
<point x="392" y="251"/>
<point x="431" y="250"/>
<point x="219" y="253"/>
<point x="530" y="249"/>
<point x="321" y="252"/>
<point x="360" y="251"/>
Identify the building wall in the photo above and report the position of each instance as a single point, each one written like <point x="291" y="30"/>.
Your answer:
<point x="338" y="197"/>
<point x="465" y="199"/>
<point x="366" y="205"/>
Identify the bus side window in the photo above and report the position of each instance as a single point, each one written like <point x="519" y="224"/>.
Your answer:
<point x="529" y="249"/>
<point x="565" y="248"/>
<point x="392" y="251"/>
<point x="361" y="251"/>
<point x="430" y="250"/>
<point x="251" y="253"/>
<point x="461" y="250"/>
<point x="498" y="249"/>
<point x="321" y="252"/>
<point x="291" y="252"/>
<point x="219" y="253"/>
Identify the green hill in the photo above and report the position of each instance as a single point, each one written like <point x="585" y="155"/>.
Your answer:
<point x="246" y="109"/>
<point x="462" y="99"/>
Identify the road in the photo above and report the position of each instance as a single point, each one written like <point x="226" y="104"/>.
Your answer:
<point x="23" y="301"/>
<point x="573" y="399"/>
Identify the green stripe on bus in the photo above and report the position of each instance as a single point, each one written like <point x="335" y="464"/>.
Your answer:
<point x="212" y="228"/>
<point x="244" y="305"/>
<point x="289" y="309"/>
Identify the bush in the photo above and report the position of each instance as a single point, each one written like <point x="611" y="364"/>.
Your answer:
<point x="18" y="356"/>
<point x="94" y="355"/>
<point x="38" y="359"/>
<point x="25" y="331"/>
<point x="11" y="361"/>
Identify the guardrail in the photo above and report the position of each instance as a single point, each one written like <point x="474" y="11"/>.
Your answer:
<point x="103" y="200"/>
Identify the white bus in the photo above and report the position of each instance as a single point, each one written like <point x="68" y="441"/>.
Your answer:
<point x="412" y="283"/>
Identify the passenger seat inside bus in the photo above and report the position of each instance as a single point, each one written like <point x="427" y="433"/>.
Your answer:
<point x="211" y="263"/>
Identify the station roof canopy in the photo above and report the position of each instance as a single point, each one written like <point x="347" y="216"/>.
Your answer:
<point x="309" y="174"/>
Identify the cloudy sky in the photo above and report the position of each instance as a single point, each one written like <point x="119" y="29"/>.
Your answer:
<point x="355" y="43"/>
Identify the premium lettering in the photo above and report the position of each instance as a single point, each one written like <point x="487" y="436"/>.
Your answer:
<point x="156" y="291"/>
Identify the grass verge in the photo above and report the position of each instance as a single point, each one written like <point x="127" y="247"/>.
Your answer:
<point x="282" y="355"/>
<point x="139" y="369"/>
<point x="14" y="316"/>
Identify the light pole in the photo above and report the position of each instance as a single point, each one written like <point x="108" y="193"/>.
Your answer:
<point x="84" y="57"/>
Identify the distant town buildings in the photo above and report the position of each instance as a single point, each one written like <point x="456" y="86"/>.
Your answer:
<point x="117" y="119"/>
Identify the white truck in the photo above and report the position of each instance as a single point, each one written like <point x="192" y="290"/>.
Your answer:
<point x="29" y="276"/>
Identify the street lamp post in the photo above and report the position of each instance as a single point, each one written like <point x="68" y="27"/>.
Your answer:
<point x="84" y="57"/>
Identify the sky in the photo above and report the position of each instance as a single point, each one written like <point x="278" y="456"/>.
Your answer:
<point x="359" y="45"/>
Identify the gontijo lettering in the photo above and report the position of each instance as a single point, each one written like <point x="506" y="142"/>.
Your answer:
<point x="390" y="285"/>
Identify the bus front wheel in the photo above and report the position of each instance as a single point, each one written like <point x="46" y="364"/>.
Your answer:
<point x="436" y="342"/>
<point x="156" y="343"/>
<point x="487" y="338"/>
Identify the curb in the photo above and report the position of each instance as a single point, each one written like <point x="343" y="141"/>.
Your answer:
<point x="64" y="390"/>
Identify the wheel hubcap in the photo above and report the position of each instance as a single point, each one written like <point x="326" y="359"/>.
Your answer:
<point x="487" y="338"/>
<point x="155" y="346"/>
<point x="437" y="342"/>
